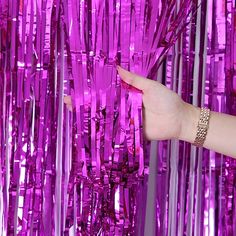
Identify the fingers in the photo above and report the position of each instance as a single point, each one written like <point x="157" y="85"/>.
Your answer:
<point x="135" y="80"/>
<point x="68" y="102"/>
<point x="132" y="79"/>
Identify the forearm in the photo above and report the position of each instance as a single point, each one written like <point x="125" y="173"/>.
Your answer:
<point x="221" y="134"/>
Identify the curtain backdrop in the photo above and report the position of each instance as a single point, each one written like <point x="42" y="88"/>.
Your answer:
<point x="87" y="172"/>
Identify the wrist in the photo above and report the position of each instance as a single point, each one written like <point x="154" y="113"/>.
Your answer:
<point x="189" y="122"/>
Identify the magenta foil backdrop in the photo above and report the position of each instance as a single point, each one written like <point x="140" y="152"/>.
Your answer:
<point x="85" y="172"/>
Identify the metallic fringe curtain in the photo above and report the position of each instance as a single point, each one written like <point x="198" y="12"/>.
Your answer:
<point x="85" y="172"/>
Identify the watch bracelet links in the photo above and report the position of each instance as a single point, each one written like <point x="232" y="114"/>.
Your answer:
<point x="202" y="127"/>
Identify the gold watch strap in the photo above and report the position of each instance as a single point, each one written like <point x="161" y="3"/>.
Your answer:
<point x="202" y="127"/>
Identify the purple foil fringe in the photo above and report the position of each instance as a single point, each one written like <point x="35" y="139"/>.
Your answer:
<point x="85" y="172"/>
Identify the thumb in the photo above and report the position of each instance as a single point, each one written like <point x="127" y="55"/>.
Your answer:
<point x="134" y="80"/>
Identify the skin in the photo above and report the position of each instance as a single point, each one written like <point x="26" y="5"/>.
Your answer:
<point x="167" y="116"/>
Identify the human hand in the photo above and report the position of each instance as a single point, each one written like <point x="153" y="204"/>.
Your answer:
<point x="165" y="114"/>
